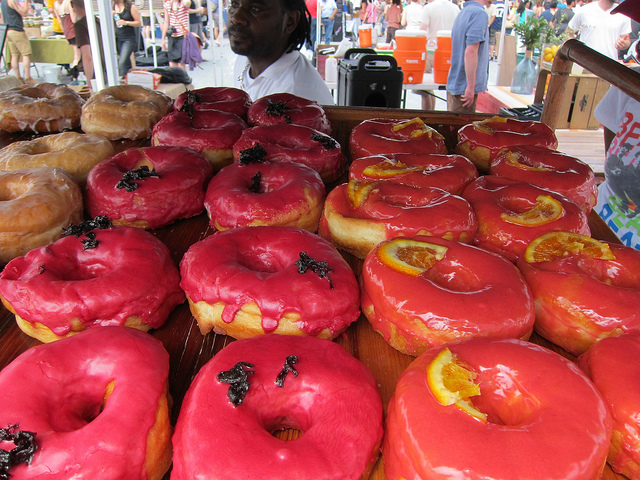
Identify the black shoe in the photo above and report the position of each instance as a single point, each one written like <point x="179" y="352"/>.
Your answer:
<point x="206" y="45"/>
<point x="73" y="72"/>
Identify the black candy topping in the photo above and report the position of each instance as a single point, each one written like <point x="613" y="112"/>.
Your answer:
<point x="288" y="368"/>
<point x="278" y="109"/>
<point x="238" y="380"/>
<point x="322" y="269"/>
<point x="255" y="154"/>
<point x="255" y="183"/>
<point x="41" y="269"/>
<point x="192" y="97"/>
<point x="327" y="142"/>
<point x="24" y="448"/>
<point x="90" y="242"/>
<point x="99" y="223"/>
<point x="128" y="179"/>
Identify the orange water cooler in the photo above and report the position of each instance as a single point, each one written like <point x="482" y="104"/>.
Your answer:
<point x="442" y="57"/>
<point x="365" y="35"/>
<point x="411" y="54"/>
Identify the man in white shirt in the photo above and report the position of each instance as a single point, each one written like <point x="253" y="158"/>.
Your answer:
<point x="411" y="15"/>
<point x="599" y="28"/>
<point x="268" y="34"/>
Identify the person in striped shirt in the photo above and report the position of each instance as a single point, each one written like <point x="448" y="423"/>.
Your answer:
<point x="174" y="28"/>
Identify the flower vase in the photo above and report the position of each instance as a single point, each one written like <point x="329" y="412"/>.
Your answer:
<point x="525" y="75"/>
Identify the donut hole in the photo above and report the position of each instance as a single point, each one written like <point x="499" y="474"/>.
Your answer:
<point x="285" y="428"/>
<point x="454" y="277"/>
<point x="517" y="205"/>
<point x="12" y="190"/>
<point x="143" y="163"/>
<point x="74" y="271"/>
<point x="79" y="408"/>
<point x="260" y="261"/>
<point x="504" y="399"/>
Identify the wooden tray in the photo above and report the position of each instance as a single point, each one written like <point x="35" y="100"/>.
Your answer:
<point x="189" y="350"/>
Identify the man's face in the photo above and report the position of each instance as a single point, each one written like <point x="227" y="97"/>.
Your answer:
<point x="257" y="28"/>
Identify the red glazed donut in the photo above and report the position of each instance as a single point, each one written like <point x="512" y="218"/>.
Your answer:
<point x="357" y="218"/>
<point x="481" y="141"/>
<point x="109" y="276"/>
<point x="295" y="143"/>
<point x="544" y="420"/>
<point x="97" y="404"/>
<point x="511" y="214"/>
<point x="250" y="281"/>
<point x="448" y="172"/>
<point x="613" y="364"/>
<point x="584" y="294"/>
<point x="149" y="187"/>
<point x="551" y="170"/>
<point x="422" y="292"/>
<point x="283" y="108"/>
<point x="326" y="393"/>
<point x="382" y="136"/>
<point x="281" y="193"/>
<point x="226" y="99"/>
<point x="209" y="132"/>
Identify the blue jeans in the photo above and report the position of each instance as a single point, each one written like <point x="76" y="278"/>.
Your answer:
<point x="328" y="30"/>
<point x="313" y="32"/>
<point x="125" y="49"/>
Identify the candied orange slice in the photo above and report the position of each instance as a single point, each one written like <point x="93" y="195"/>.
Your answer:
<point x="386" y="169"/>
<point x="485" y="125"/>
<point x="411" y="257"/>
<point x="513" y="159"/>
<point x="547" y="209"/>
<point x="452" y="382"/>
<point x="554" y="245"/>
<point x="358" y="192"/>
<point x="421" y="129"/>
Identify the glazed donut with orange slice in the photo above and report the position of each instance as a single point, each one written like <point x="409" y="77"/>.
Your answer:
<point x="226" y="99"/>
<point x="108" y="388"/>
<point x="211" y="133"/>
<point x="96" y="275"/>
<point x="510" y="409"/>
<point x="256" y="386"/>
<point x="293" y="143"/>
<point x="511" y="214"/>
<point x="381" y="136"/>
<point x="255" y="280"/>
<point x="448" y="172"/>
<point x="358" y="216"/>
<point x="584" y="290"/>
<point x="279" y="193"/>
<point x="421" y="292"/>
<point x="286" y="108"/>
<point x="149" y="187"/>
<point x="613" y="364"/>
<point x="551" y="170"/>
<point x="481" y="141"/>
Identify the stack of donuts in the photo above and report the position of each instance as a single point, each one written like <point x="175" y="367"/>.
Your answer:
<point x="454" y="253"/>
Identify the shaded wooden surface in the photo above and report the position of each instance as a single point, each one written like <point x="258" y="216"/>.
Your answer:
<point x="189" y="350"/>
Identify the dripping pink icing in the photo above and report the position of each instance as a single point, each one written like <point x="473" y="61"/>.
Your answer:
<point x="258" y="264"/>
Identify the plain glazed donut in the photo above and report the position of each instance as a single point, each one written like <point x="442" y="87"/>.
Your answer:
<point x="149" y="187"/>
<point x="551" y="170"/>
<point x="209" y="132"/>
<point x="280" y="193"/>
<point x="481" y="141"/>
<point x="613" y="364"/>
<point x="303" y="383"/>
<point x="522" y="412"/>
<point x="254" y="280"/>
<point x="512" y="213"/>
<point x="94" y="276"/>
<point x="41" y="108"/>
<point x="422" y="292"/>
<point x="584" y="290"/>
<point x="448" y="172"/>
<point x="294" y="143"/>
<point x="225" y="99"/>
<point x="382" y="136"/>
<point x="97" y="405"/>
<point x="124" y="112"/>
<point x="37" y="205"/>
<point x="74" y="152"/>
<point x="283" y="108"/>
<point x="357" y="218"/>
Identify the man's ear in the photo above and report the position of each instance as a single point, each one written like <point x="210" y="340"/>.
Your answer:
<point x="291" y="19"/>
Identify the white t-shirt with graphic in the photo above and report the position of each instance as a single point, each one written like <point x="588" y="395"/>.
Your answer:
<point x="619" y="195"/>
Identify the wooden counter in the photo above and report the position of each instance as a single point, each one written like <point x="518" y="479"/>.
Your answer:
<point x="189" y="350"/>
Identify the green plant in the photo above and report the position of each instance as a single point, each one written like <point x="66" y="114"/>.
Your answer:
<point x="533" y="32"/>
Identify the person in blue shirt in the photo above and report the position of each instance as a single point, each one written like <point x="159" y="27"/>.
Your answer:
<point x="469" y="73"/>
<point x="328" y="12"/>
